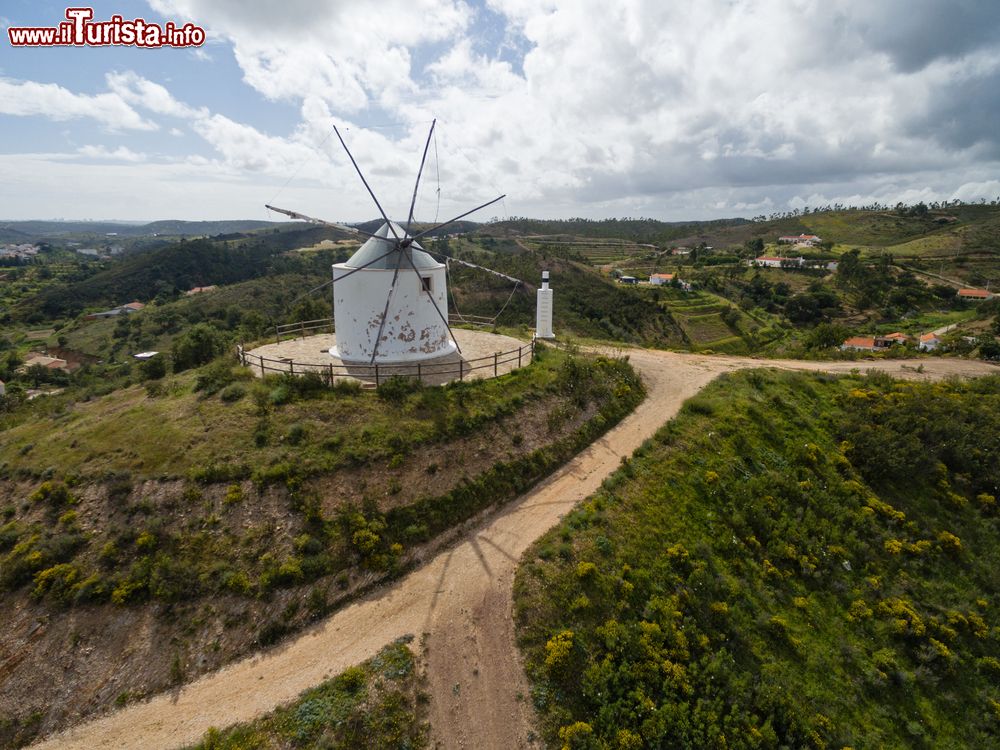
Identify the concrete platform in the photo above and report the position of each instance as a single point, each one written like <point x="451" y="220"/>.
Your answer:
<point x="483" y="355"/>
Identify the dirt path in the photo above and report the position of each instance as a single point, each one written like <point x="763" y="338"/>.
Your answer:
<point x="461" y="599"/>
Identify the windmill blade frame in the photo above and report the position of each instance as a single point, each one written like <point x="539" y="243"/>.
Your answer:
<point x="367" y="186"/>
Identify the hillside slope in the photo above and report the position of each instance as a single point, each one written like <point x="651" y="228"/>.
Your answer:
<point x="157" y="533"/>
<point x="796" y="561"/>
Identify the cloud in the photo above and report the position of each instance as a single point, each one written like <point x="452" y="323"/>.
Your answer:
<point x="686" y="109"/>
<point x="119" y="154"/>
<point x="144" y="93"/>
<point x="27" y="98"/>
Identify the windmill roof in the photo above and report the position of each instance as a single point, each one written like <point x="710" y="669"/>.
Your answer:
<point x="376" y="246"/>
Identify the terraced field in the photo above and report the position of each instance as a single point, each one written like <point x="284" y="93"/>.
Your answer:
<point x="699" y="314"/>
<point x="595" y="252"/>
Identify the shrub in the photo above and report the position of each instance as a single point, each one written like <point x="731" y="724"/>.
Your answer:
<point x="396" y="388"/>
<point x="200" y="344"/>
<point x="296" y="433"/>
<point x="233" y="392"/>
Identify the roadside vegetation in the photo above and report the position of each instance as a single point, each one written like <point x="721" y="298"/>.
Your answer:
<point x="377" y="705"/>
<point x="795" y="561"/>
<point x="226" y="512"/>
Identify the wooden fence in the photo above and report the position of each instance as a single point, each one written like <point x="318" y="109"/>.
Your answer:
<point x="378" y="373"/>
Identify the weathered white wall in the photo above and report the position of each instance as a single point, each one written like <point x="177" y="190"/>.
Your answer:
<point x="413" y="330"/>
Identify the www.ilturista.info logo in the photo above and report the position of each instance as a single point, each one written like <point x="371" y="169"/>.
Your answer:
<point x="80" y="30"/>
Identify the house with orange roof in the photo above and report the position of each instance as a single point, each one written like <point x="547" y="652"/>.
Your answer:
<point x="892" y="338"/>
<point x="975" y="295"/>
<point x="860" y="344"/>
<point x="929" y="342"/>
<point x="43" y="360"/>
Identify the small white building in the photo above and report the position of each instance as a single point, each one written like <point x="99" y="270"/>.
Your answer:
<point x="775" y="261"/>
<point x="859" y="344"/>
<point x="660" y="279"/>
<point x="409" y="329"/>
<point x="800" y="239"/>
<point x="929" y="342"/>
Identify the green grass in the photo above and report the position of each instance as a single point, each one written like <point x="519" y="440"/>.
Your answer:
<point x="179" y="430"/>
<point x="795" y="561"/>
<point x="377" y="705"/>
<point x="178" y="541"/>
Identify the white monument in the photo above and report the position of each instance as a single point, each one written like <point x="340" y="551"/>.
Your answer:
<point x="543" y="310"/>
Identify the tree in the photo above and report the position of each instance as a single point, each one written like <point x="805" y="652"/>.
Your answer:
<point x="201" y="344"/>
<point x="154" y="368"/>
<point x="826" y="335"/>
<point x="755" y="247"/>
<point x="311" y="308"/>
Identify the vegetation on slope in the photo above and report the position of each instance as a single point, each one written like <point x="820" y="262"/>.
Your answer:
<point x="376" y="705"/>
<point x="224" y="512"/>
<point x="585" y="303"/>
<point x="796" y="561"/>
<point x="181" y="266"/>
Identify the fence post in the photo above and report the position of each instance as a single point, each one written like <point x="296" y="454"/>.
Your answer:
<point x="331" y="373"/>
<point x="302" y="328"/>
<point x="291" y="367"/>
<point x="420" y="376"/>
<point x="376" y="374"/>
<point x="460" y="367"/>
<point x="519" y="356"/>
<point x="496" y="371"/>
<point x="262" y="372"/>
<point x="277" y="336"/>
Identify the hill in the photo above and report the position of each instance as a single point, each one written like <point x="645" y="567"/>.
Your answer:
<point x="163" y="530"/>
<point x="796" y="561"/>
<point x="62" y="229"/>
<point x="180" y="266"/>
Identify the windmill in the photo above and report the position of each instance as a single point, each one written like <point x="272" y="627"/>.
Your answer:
<point x="394" y="310"/>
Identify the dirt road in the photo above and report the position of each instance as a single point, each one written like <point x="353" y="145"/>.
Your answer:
<point x="461" y="599"/>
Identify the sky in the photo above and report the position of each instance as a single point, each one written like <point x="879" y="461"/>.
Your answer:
<point x="669" y="109"/>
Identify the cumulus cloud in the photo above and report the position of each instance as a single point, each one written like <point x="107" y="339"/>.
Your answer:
<point x="119" y="154"/>
<point x="25" y="98"/>
<point x="135" y="89"/>
<point x="686" y="109"/>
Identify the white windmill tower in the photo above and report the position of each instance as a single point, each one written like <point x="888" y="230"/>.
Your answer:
<point x="394" y="308"/>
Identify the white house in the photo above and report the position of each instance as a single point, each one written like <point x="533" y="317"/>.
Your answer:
<point x="929" y="342"/>
<point x="774" y="261"/>
<point x="800" y="239"/>
<point x="976" y="295"/>
<point x="860" y="344"/>
<point x="660" y="279"/>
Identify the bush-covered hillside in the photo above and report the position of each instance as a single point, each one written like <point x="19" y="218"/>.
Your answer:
<point x="162" y="531"/>
<point x="181" y="266"/>
<point x="796" y="561"/>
